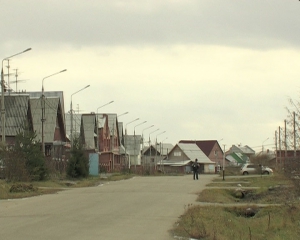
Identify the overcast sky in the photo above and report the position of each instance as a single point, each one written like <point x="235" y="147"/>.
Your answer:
<point x="197" y="69"/>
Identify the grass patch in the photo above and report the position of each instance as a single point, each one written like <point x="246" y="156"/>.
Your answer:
<point x="246" y="221"/>
<point x="219" y="223"/>
<point x="24" y="190"/>
<point x="50" y="187"/>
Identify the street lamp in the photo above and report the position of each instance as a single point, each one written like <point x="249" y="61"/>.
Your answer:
<point x="150" y="134"/>
<point x="126" y="137"/>
<point x="43" y="108"/>
<point x="142" y="154"/>
<point x="224" y="163"/>
<point x="162" y="150"/>
<point x="135" y="160"/>
<point x="155" y="162"/>
<point x="2" y="94"/>
<point x="150" y="145"/>
<point x="138" y="125"/>
<point x="97" y="142"/>
<point x="122" y="114"/>
<point x="143" y="135"/>
<point x="71" y="111"/>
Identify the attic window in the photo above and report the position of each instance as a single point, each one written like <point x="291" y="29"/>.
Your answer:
<point x="177" y="154"/>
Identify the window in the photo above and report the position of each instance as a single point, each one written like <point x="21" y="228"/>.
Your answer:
<point x="177" y="154"/>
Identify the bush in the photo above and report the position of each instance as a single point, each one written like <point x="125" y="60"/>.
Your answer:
<point x="78" y="165"/>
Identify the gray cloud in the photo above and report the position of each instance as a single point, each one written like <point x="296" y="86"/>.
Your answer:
<point x="250" y="24"/>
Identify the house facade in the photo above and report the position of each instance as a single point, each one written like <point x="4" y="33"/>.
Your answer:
<point x="180" y="158"/>
<point x="210" y="148"/>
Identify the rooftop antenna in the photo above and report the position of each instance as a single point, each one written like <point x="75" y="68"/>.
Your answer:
<point x="16" y="75"/>
<point x="8" y="87"/>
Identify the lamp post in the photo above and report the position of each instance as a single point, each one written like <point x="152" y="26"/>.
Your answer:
<point x="43" y="109"/>
<point x="162" y="150"/>
<point x="2" y="94"/>
<point x="122" y="114"/>
<point x="143" y="143"/>
<point x="155" y="160"/>
<point x="150" y="145"/>
<point x="71" y="111"/>
<point x="224" y="163"/>
<point x="262" y="151"/>
<point x="97" y="142"/>
<point x="126" y="139"/>
<point x="135" y="160"/>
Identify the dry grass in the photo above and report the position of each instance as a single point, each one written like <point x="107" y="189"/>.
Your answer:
<point x="246" y="221"/>
<point x="50" y="187"/>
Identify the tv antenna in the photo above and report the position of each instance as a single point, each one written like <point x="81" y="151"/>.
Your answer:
<point x="17" y="80"/>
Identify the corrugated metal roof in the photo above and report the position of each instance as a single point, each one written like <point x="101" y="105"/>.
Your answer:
<point x="16" y="107"/>
<point x="243" y="149"/>
<point x="132" y="144"/>
<point x="111" y="120"/>
<point x="51" y="107"/>
<point x="193" y="152"/>
<point x="89" y="130"/>
<point x="163" y="149"/>
<point x="48" y="94"/>
<point x="205" y="145"/>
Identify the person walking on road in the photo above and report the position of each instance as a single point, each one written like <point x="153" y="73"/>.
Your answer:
<point x="195" y="167"/>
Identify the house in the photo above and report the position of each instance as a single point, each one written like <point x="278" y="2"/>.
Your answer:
<point x="237" y="158"/>
<point x="43" y="116"/>
<point x="153" y="154"/>
<point x="48" y="121"/>
<point x="210" y="148"/>
<point x="246" y="150"/>
<point x="17" y="116"/>
<point x="109" y="145"/>
<point x="88" y="131"/>
<point x="132" y="146"/>
<point x="182" y="155"/>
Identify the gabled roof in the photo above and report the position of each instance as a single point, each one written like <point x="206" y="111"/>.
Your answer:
<point x="163" y="148"/>
<point x="48" y="94"/>
<point x="16" y="108"/>
<point x="242" y="149"/>
<point x="205" y="145"/>
<point x="88" y="128"/>
<point x="51" y="112"/>
<point x="192" y="151"/>
<point x="237" y="157"/>
<point x="111" y="119"/>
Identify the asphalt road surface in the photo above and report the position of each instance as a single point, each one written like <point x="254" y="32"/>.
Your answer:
<point x="139" y="208"/>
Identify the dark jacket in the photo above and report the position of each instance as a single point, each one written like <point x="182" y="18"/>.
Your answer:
<point x="195" y="166"/>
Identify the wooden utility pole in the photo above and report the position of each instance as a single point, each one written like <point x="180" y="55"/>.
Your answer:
<point x="294" y="125"/>
<point x="276" y="149"/>
<point x="279" y="141"/>
<point x="285" y="139"/>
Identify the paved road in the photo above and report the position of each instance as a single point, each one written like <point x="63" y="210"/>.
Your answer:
<point x="139" y="208"/>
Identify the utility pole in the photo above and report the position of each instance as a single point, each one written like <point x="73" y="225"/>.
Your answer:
<point x="279" y="141"/>
<point x="285" y="140"/>
<point x="224" y="163"/>
<point x="276" y="158"/>
<point x="294" y="125"/>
